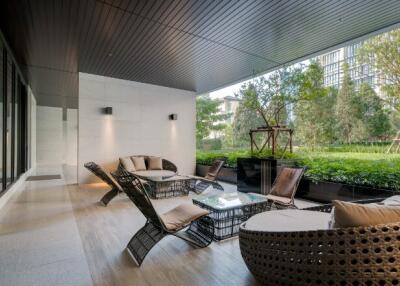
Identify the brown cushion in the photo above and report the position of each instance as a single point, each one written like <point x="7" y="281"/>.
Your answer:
<point x="127" y="163"/>
<point x="139" y="163"/>
<point x="182" y="215"/>
<point x="350" y="214"/>
<point x="286" y="181"/>
<point x="154" y="163"/>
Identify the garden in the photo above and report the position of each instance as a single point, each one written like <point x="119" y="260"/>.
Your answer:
<point x="364" y="165"/>
<point x="341" y="133"/>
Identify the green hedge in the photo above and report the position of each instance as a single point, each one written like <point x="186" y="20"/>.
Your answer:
<point x="207" y="157"/>
<point x="377" y="170"/>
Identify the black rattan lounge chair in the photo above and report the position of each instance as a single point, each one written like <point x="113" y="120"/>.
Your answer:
<point x="103" y="175"/>
<point x="187" y="221"/>
<point x="200" y="184"/>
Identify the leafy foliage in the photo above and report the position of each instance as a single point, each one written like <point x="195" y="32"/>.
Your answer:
<point x="206" y="158"/>
<point x="208" y="117"/>
<point x="315" y="118"/>
<point x="375" y="117"/>
<point x="269" y="96"/>
<point x="377" y="170"/>
<point x="370" y="168"/>
<point x="382" y="53"/>
<point x="349" y="111"/>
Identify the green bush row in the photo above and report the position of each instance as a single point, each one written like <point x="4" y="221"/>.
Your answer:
<point x="207" y="157"/>
<point x="377" y="170"/>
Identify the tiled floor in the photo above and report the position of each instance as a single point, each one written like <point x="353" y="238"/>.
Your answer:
<point x="55" y="233"/>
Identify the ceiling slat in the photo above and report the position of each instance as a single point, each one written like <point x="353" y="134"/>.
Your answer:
<point x="187" y="44"/>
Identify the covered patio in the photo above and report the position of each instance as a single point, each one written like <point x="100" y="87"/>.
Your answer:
<point x="110" y="86"/>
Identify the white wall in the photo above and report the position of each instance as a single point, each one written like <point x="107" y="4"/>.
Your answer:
<point x="32" y="129"/>
<point x="49" y="135"/>
<point x="139" y="124"/>
<point x="70" y="138"/>
<point x="57" y="140"/>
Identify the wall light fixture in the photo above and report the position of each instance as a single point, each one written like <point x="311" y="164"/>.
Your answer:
<point x="107" y="110"/>
<point x="173" y="116"/>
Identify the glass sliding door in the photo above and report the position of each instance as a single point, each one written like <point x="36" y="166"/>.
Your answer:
<point x="2" y="92"/>
<point x="8" y="129"/>
<point x="13" y="121"/>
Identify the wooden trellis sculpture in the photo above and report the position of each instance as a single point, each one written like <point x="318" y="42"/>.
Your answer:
<point x="395" y="146"/>
<point x="271" y="139"/>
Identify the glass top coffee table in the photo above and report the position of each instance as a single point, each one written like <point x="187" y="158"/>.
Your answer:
<point x="230" y="209"/>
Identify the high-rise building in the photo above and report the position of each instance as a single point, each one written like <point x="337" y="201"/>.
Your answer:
<point x="332" y="64"/>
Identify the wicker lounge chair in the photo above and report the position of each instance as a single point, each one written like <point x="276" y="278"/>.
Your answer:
<point x="106" y="178"/>
<point x="342" y="256"/>
<point x="285" y="186"/>
<point x="200" y="184"/>
<point x="188" y="222"/>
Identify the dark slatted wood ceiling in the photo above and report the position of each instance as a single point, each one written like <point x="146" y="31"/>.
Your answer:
<point x="193" y="45"/>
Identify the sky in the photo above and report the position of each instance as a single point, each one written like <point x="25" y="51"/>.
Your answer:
<point x="232" y="89"/>
<point x="227" y="91"/>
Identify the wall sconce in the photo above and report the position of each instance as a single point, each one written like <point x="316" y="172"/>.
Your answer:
<point x="107" y="110"/>
<point x="173" y="116"/>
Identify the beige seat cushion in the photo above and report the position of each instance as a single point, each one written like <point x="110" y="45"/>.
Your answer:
<point x="139" y="163"/>
<point x="288" y="220"/>
<point x="127" y="163"/>
<point x="392" y="201"/>
<point x="282" y="200"/>
<point x="182" y="216"/>
<point x="350" y="214"/>
<point x="154" y="163"/>
<point x="154" y="173"/>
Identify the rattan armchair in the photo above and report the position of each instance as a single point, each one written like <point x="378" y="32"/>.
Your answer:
<point x="197" y="229"/>
<point x="102" y="174"/>
<point x="200" y="184"/>
<point x="343" y="256"/>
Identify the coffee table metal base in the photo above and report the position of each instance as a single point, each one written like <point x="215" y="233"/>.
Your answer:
<point x="168" y="188"/>
<point x="228" y="221"/>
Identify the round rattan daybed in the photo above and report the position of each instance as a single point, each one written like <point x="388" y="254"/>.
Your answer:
<point x="295" y="247"/>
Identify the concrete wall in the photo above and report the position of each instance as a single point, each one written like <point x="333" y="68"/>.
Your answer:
<point x="139" y="123"/>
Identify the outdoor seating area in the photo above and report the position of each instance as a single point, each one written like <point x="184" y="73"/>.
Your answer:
<point x="330" y="246"/>
<point x="200" y="143"/>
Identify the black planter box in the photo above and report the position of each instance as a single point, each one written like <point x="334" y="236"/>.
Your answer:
<point x="255" y="175"/>
<point x="325" y="192"/>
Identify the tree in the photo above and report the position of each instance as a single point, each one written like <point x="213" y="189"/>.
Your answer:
<point x="376" y="118"/>
<point x="314" y="118"/>
<point x="208" y="117"/>
<point x="270" y="95"/>
<point x="349" y="111"/>
<point x="382" y="53"/>
<point x="228" y="141"/>
<point x="244" y="120"/>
